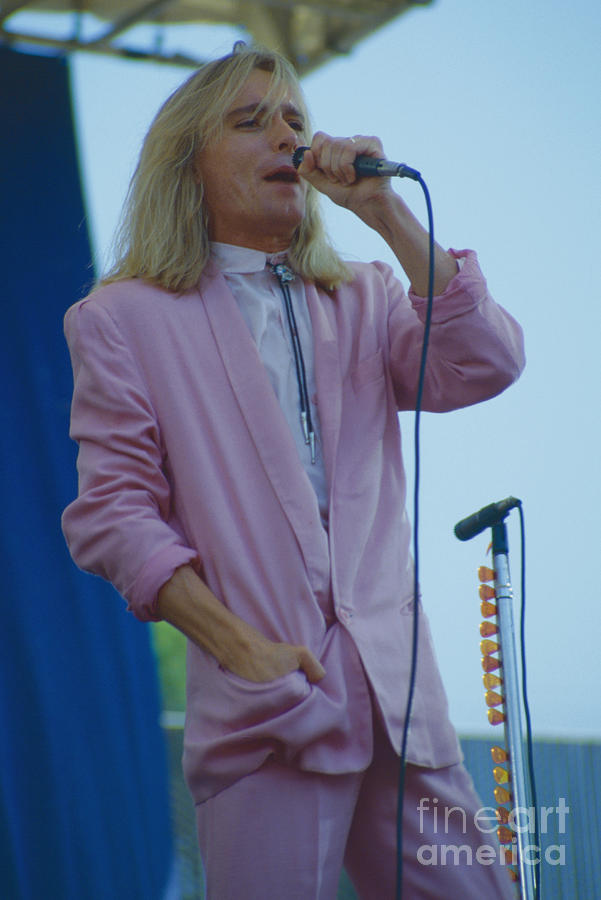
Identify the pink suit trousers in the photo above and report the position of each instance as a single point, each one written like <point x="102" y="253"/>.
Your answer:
<point x="285" y="834"/>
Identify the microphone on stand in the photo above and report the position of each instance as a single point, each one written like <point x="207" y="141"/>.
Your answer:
<point x="486" y="517"/>
<point x="368" y="166"/>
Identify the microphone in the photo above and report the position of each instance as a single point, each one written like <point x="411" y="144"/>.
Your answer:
<point x="368" y="166"/>
<point x="484" y="518"/>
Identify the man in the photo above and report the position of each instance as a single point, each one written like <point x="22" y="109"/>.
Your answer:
<point x="278" y="542"/>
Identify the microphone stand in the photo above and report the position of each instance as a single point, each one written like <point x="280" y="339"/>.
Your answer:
<point x="514" y="737"/>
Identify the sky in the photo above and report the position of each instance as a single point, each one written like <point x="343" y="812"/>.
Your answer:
<point x="497" y="104"/>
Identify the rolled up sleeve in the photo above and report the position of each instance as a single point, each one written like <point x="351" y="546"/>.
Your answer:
<point x="120" y="527"/>
<point x="476" y="347"/>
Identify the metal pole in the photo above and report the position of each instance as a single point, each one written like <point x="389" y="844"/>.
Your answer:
<point x="513" y="720"/>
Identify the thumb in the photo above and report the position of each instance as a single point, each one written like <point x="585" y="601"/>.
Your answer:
<point x="309" y="171"/>
<point x="310" y="665"/>
<point x="331" y="187"/>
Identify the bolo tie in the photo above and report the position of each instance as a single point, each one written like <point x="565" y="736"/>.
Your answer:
<point x="284" y="276"/>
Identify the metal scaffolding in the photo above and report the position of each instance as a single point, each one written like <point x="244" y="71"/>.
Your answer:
<point x="309" y="32"/>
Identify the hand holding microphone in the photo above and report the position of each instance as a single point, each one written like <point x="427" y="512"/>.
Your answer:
<point x="338" y="159"/>
<point x="368" y="166"/>
<point x="343" y="169"/>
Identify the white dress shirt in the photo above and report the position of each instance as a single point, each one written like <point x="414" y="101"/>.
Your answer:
<point x="258" y="294"/>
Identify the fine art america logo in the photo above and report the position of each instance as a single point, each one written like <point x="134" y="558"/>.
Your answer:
<point x="454" y="820"/>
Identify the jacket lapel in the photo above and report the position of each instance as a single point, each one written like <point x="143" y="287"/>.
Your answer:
<point x="260" y="408"/>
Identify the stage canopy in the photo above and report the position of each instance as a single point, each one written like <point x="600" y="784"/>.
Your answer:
<point x="309" y="32"/>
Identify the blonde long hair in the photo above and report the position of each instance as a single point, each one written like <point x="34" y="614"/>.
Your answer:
<point x="163" y="236"/>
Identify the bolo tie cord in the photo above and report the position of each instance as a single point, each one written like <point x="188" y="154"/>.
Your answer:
<point x="284" y="276"/>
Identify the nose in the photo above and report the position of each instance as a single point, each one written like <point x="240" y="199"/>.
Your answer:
<point x="284" y="136"/>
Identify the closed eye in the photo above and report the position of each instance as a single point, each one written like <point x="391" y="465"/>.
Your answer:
<point x="248" y="123"/>
<point x="257" y="123"/>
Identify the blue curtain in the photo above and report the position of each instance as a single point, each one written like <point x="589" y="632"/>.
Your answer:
<point x="83" y="784"/>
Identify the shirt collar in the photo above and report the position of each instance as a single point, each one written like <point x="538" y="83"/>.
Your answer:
<point x="242" y="260"/>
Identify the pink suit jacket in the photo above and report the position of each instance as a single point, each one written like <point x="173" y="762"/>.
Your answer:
<point x="185" y="457"/>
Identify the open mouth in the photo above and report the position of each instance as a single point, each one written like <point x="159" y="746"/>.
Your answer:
<point x="285" y="175"/>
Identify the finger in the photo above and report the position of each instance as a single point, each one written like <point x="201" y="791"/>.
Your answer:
<point x="342" y="159"/>
<point x="307" y="163"/>
<point x="322" y="148"/>
<point x="329" y="156"/>
<point x="337" y="157"/>
<point x="310" y="171"/>
<point x="311" y="666"/>
<point x="369" y="146"/>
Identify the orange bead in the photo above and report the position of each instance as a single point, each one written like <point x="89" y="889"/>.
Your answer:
<point x="495" y="717"/>
<point x="490" y="663"/>
<point x="486" y="574"/>
<point x="502" y="795"/>
<point x="487" y="629"/>
<point x="487" y="647"/>
<point x="510" y="855"/>
<point x="486" y="592"/>
<point x="491" y="681"/>
<point x="491" y="698"/>
<point x="502" y="815"/>
<point x="505" y="834"/>
<point x="487" y="609"/>
<point x="499" y="754"/>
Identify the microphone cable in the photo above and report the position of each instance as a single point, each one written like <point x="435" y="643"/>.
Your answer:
<point x="366" y="166"/>
<point x="416" y="176"/>
<point x="415" y="629"/>
<point x="529" y="741"/>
